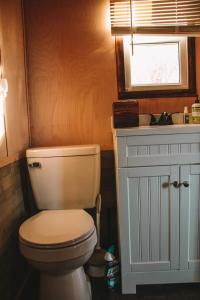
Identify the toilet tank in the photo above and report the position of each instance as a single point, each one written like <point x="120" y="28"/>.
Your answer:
<point x="65" y="177"/>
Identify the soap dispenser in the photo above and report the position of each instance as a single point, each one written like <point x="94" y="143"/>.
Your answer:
<point x="196" y="111"/>
<point x="186" y="116"/>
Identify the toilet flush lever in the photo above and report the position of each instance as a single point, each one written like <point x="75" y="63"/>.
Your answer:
<point x="35" y="165"/>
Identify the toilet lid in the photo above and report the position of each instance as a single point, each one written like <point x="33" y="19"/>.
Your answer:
<point x="57" y="227"/>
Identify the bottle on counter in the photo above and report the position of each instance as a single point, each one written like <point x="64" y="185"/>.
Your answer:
<point x="186" y="116"/>
<point x="196" y="111"/>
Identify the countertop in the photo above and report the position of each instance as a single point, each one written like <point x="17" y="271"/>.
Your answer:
<point x="160" y="130"/>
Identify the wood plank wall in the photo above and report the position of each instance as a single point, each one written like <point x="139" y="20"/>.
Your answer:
<point x="72" y="76"/>
<point x="13" y="62"/>
<point x="71" y="67"/>
<point x="13" y="268"/>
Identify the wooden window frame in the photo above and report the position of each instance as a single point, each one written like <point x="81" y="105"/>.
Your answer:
<point x="123" y="94"/>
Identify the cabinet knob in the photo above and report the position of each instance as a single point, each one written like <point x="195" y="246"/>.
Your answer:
<point x="165" y="185"/>
<point x="185" y="183"/>
<point x="176" y="184"/>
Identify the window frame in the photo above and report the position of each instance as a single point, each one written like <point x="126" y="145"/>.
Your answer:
<point x="124" y="94"/>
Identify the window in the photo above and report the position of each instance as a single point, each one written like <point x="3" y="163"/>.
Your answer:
<point x="155" y="66"/>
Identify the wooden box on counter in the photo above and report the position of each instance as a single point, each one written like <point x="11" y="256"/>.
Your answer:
<point x="125" y="114"/>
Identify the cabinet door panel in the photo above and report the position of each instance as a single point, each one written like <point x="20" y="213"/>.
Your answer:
<point x="154" y="213"/>
<point x="190" y="218"/>
<point x="153" y="237"/>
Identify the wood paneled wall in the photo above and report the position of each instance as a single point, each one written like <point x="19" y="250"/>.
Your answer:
<point x="13" y="267"/>
<point x="71" y="73"/>
<point x="13" y="62"/>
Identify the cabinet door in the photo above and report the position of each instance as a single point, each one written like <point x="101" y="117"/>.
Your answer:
<point x="190" y="217"/>
<point x="148" y="207"/>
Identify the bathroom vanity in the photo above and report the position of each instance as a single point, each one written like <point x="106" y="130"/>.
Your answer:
<point x="158" y="191"/>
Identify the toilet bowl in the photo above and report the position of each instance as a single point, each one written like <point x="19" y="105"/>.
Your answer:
<point x="60" y="239"/>
<point x="58" y="243"/>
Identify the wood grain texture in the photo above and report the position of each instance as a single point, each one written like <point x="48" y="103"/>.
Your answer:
<point x="72" y="79"/>
<point x="125" y="114"/>
<point x="3" y="145"/>
<point x="72" y="73"/>
<point x="12" y="48"/>
<point x="198" y="65"/>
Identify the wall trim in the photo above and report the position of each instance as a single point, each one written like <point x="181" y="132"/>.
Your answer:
<point x="26" y="70"/>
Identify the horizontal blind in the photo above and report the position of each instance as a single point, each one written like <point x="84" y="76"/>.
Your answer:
<point x="155" y="16"/>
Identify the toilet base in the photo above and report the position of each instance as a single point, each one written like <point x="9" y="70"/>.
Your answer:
<point x="73" y="285"/>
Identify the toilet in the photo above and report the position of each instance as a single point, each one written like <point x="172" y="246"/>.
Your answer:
<point x="60" y="238"/>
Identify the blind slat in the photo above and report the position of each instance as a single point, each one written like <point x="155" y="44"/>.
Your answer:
<point x="154" y="16"/>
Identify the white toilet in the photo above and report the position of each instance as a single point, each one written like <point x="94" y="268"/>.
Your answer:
<point x="60" y="239"/>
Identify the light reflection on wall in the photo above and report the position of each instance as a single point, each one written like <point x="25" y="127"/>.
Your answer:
<point x="3" y="94"/>
<point x="106" y="21"/>
<point x="2" y="124"/>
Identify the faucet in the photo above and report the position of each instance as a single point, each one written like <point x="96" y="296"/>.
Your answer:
<point x="165" y="119"/>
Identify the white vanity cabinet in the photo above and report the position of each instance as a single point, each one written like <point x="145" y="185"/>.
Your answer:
<point x="158" y="191"/>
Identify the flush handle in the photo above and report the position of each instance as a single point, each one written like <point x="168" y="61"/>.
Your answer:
<point x="35" y="165"/>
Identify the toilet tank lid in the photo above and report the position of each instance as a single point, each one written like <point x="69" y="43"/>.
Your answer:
<point x="76" y="150"/>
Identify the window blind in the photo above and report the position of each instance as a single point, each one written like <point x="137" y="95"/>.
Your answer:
<point x="155" y="17"/>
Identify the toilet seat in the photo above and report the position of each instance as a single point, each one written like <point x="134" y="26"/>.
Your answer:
<point x="56" y="229"/>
